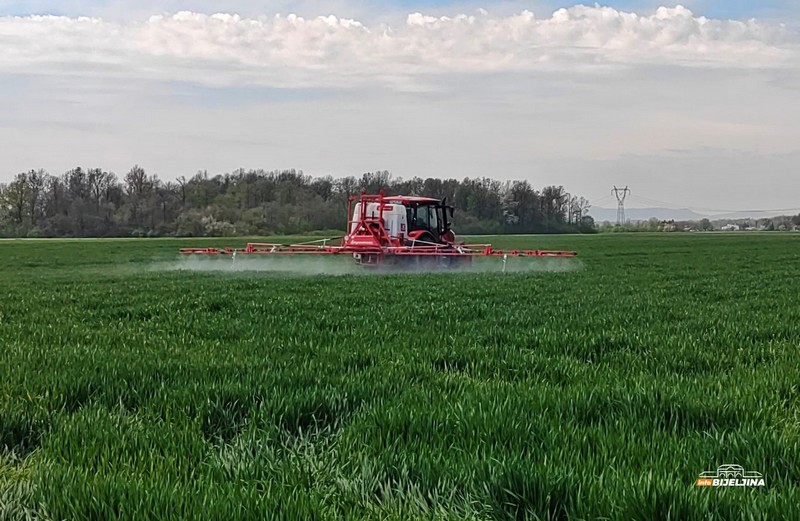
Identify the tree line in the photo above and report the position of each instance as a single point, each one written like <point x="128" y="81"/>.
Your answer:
<point x="97" y="203"/>
<point x="764" y="224"/>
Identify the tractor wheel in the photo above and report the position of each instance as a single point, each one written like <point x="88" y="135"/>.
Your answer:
<point x="427" y="263"/>
<point x="458" y="263"/>
<point x="425" y="238"/>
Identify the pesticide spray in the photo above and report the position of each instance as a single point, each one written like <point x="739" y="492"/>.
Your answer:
<point x="309" y="265"/>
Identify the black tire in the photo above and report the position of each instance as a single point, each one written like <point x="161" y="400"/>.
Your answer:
<point x="425" y="238"/>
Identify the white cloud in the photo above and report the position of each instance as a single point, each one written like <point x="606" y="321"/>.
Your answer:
<point x="587" y="97"/>
<point x="329" y="51"/>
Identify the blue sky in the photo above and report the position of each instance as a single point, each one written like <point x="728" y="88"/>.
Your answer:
<point x="736" y="9"/>
<point x="587" y="99"/>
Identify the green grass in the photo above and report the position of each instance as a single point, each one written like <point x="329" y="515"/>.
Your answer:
<point x="132" y="391"/>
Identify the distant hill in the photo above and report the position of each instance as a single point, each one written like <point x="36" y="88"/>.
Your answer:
<point x="642" y="214"/>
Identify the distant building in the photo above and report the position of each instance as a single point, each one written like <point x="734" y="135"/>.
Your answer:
<point x="730" y="228"/>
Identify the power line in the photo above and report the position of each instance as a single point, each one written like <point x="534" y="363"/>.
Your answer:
<point x="649" y="200"/>
<point x="672" y="205"/>
<point x="597" y="200"/>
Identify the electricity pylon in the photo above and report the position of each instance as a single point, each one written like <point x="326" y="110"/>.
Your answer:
<point x="620" y="194"/>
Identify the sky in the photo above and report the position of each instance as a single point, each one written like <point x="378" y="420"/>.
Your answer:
<point x="694" y="104"/>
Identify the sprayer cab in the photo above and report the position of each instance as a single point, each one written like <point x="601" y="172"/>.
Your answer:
<point x="402" y="220"/>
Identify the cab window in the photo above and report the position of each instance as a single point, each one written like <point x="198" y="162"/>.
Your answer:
<point x="433" y="221"/>
<point x="419" y="219"/>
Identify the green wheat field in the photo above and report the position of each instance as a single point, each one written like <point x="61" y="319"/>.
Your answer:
<point x="135" y="384"/>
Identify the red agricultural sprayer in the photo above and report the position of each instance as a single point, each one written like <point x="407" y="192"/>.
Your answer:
<point x="398" y="231"/>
